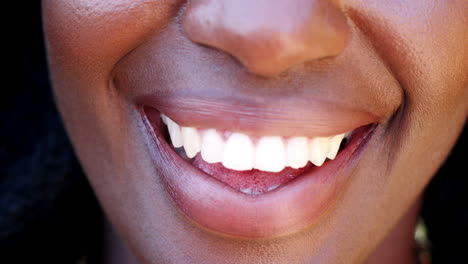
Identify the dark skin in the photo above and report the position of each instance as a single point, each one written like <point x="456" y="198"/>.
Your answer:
<point x="399" y="64"/>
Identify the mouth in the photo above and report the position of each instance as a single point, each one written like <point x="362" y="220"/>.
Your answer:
<point x="245" y="185"/>
<point x="250" y="164"/>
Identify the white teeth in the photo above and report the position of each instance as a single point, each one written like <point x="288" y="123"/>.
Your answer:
<point x="297" y="152"/>
<point x="191" y="140"/>
<point x="246" y="190"/>
<point x="335" y="142"/>
<point x="270" y="154"/>
<point x="250" y="191"/>
<point x="238" y="152"/>
<point x="174" y="132"/>
<point x="212" y="147"/>
<point x="318" y="150"/>
<point x="271" y="188"/>
<point x="164" y="119"/>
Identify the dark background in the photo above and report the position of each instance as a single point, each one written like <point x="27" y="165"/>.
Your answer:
<point x="48" y="212"/>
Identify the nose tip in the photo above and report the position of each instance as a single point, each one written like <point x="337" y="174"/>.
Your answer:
<point x="268" y="36"/>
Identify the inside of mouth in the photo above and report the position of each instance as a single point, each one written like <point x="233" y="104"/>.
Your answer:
<point x="250" y="182"/>
<point x="253" y="181"/>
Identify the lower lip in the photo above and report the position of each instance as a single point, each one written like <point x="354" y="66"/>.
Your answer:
<point x="216" y="207"/>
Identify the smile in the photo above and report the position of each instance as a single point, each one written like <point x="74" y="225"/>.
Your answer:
<point x="251" y="164"/>
<point x="245" y="185"/>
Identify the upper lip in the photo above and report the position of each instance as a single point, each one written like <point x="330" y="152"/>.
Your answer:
<point x="254" y="116"/>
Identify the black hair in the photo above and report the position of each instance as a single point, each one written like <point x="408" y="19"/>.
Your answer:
<point x="48" y="212"/>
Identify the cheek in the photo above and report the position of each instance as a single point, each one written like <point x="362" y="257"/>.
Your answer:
<point x="424" y="44"/>
<point x="87" y="37"/>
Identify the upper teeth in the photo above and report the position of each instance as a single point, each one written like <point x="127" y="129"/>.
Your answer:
<point x="238" y="152"/>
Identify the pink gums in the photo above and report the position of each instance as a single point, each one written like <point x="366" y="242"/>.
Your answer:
<point x="254" y="181"/>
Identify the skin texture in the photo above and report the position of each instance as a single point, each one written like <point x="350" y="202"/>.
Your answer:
<point x="404" y="63"/>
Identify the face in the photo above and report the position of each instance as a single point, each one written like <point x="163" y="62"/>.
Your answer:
<point x="259" y="93"/>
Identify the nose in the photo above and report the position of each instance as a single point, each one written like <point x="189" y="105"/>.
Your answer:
<point x="268" y="36"/>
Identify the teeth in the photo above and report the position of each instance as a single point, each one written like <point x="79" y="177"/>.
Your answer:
<point x="318" y="150"/>
<point x="191" y="140"/>
<point x="238" y="152"/>
<point x="164" y="119"/>
<point x="174" y="132"/>
<point x="270" y="154"/>
<point x="297" y="152"/>
<point x="250" y="191"/>
<point x="334" y="146"/>
<point x="271" y="188"/>
<point x="212" y="147"/>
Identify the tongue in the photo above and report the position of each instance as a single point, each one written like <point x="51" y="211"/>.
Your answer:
<point x="252" y="181"/>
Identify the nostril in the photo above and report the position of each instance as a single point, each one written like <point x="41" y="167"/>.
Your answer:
<point x="268" y="37"/>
